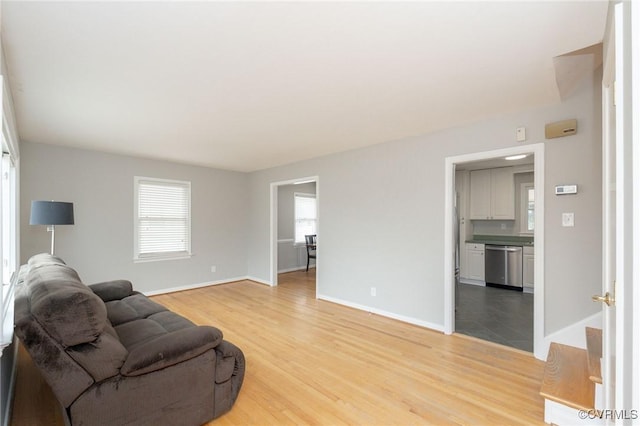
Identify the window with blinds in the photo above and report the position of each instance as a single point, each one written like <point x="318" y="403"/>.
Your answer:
<point x="163" y="219"/>
<point x="305" y="215"/>
<point x="8" y="210"/>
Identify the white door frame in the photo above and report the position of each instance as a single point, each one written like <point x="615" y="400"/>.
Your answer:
<point x="273" y="225"/>
<point x="609" y="229"/>
<point x="539" y="349"/>
<point x="635" y="217"/>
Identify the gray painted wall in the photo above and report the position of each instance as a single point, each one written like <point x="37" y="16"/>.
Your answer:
<point x="391" y="236"/>
<point x="290" y="256"/>
<point x="100" y="244"/>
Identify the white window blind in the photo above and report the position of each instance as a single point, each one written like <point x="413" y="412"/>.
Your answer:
<point x="163" y="218"/>
<point x="305" y="215"/>
<point x="8" y="213"/>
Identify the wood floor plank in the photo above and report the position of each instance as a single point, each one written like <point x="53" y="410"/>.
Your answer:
<point x="314" y="362"/>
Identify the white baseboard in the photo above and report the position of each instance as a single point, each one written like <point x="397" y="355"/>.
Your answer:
<point x="194" y="286"/>
<point x="472" y="282"/>
<point x="259" y="281"/>
<point x="297" y="268"/>
<point x="410" y="320"/>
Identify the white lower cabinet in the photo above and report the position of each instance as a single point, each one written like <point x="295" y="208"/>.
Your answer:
<point x="474" y="268"/>
<point x="528" y="268"/>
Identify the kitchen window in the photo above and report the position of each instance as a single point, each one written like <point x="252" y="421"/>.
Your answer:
<point x="162" y="219"/>
<point x="527" y="208"/>
<point x="305" y="216"/>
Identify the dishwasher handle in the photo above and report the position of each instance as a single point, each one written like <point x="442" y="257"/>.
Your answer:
<point x="503" y="248"/>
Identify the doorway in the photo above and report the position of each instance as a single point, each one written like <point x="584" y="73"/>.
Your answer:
<point x="279" y="216"/>
<point x="488" y="307"/>
<point x="537" y="150"/>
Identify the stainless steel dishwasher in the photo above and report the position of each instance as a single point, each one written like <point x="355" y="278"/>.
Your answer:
<point x="503" y="266"/>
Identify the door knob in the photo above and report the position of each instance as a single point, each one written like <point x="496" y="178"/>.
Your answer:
<point x="607" y="298"/>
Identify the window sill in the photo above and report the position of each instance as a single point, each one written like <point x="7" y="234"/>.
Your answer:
<point x="159" y="258"/>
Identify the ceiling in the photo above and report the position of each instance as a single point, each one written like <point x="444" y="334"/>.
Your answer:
<point x="250" y="85"/>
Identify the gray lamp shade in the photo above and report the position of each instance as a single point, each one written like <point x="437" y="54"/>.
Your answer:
<point x="51" y="213"/>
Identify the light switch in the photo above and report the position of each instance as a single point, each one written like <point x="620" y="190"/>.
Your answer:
<point x="521" y="134"/>
<point x="567" y="219"/>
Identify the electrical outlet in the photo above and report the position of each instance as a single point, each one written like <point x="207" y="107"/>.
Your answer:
<point x="567" y="219"/>
<point x="503" y="226"/>
<point x="213" y="269"/>
<point x="373" y="291"/>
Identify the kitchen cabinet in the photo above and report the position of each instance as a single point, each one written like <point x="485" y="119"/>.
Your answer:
<point x="528" y="267"/>
<point x="474" y="267"/>
<point x="492" y="194"/>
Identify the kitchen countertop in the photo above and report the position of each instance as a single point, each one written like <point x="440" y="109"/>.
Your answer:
<point x="502" y="240"/>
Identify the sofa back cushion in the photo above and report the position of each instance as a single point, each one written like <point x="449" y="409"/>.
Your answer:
<point x="67" y="309"/>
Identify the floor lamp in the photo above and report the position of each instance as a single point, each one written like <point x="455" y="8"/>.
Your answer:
<point x="51" y="213"/>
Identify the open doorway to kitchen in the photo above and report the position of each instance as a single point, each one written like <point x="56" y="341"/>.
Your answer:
<point x="494" y="245"/>
<point x="294" y="214"/>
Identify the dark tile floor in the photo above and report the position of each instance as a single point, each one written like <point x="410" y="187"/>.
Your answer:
<point x="498" y="315"/>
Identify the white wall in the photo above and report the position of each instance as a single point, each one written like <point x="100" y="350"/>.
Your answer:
<point x="290" y="256"/>
<point x="391" y="235"/>
<point x="100" y="244"/>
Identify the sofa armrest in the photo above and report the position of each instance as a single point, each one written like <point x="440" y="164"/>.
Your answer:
<point x="170" y="349"/>
<point x="230" y="367"/>
<point x="112" y="290"/>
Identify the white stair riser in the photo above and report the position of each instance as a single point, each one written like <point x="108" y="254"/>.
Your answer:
<point x="561" y="415"/>
<point x="599" y="398"/>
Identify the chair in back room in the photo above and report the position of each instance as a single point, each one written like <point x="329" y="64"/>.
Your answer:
<point x="311" y="248"/>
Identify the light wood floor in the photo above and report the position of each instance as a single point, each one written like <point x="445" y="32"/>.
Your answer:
<point x="314" y="362"/>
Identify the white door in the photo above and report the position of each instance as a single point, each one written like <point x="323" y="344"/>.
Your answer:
<point x="617" y="219"/>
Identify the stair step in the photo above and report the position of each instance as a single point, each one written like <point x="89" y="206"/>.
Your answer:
<point x="594" y="353"/>
<point x="566" y="377"/>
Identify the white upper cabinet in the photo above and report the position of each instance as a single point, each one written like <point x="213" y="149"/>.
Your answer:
<point x="480" y="194"/>
<point x="492" y="194"/>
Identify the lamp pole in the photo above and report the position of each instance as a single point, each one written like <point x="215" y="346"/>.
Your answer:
<point x="52" y="228"/>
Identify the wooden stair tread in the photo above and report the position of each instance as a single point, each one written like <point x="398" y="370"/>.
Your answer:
<point x="594" y="353"/>
<point x="566" y="377"/>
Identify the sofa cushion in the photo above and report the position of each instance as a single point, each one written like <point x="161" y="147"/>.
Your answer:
<point x="70" y="312"/>
<point x="101" y="358"/>
<point x="132" y="308"/>
<point x="44" y="259"/>
<point x="170" y="349"/>
<point x="112" y="290"/>
<point x="137" y="332"/>
<point x="171" y="321"/>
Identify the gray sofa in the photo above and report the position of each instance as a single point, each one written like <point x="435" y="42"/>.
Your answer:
<point x="114" y="357"/>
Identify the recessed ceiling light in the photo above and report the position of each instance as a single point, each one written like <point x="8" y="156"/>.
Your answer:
<point x="515" y="157"/>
